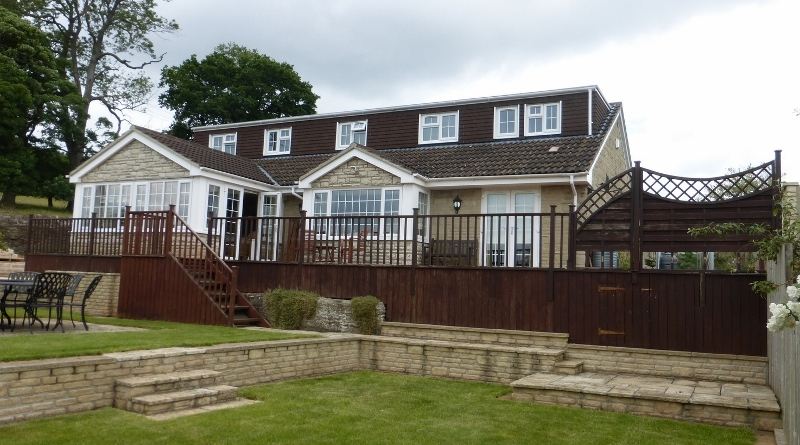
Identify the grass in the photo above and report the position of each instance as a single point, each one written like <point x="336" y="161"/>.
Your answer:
<point x="27" y="205"/>
<point x="159" y="334"/>
<point x="374" y="408"/>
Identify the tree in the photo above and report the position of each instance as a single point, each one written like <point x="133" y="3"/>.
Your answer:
<point x="97" y="42"/>
<point x="232" y="84"/>
<point x="31" y="91"/>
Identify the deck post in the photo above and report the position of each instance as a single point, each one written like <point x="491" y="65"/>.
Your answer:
<point x="551" y="255"/>
<point x="209" y="227"/>
<point x="169" y="228"/>
<point x="125" y="234"/>
<point x="571" y="242"/>
<point x="92" y="228"/>
<point x="636" y="218"/>
<point x="414" y="232"/>
<point x="301" y="245"/>
<point x="778" y="190"/>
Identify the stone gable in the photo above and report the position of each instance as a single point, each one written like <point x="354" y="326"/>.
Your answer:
<point x="356" y="173"/>
<point x="133" y="162"/>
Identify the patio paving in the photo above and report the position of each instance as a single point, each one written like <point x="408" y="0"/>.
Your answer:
<point x="699" y="400"/>
<point x="94" y="328"/>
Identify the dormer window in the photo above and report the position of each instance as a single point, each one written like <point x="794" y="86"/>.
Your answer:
<point x="278" y="141"/>
<point x="350" y="132"/>
<point x="223" y="142"/>
<point x="505" y="122"/>
<point x="435" y="128"/>
<point x="542" y="119"/>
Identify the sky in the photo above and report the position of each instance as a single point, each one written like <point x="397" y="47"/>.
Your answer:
<point x="706" y="85"/>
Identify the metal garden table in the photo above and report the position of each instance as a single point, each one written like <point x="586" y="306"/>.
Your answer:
<point x="9" y="286"/>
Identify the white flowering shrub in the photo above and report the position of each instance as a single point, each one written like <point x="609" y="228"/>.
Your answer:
<point x="786" y="315"/>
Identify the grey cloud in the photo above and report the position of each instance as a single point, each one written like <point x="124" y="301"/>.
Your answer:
<point x="365" y="49"/>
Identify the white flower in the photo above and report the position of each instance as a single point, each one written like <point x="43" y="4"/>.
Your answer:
<point x="793" y="292"/>
<point x="772" y="325"/>
<point x="798" y="279"/>
<point x="794" y="306"/>
<point x="779" y="310"/>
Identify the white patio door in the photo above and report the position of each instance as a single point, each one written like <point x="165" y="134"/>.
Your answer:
<point x="511" y="241"/>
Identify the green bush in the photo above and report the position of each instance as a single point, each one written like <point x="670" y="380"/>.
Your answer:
<point x="288" y="308"/>
<point x="365" y="314"/>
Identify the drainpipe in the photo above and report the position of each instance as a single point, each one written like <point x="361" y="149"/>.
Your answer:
<point x="300" y="197"/>
<point x="574" y="190"/>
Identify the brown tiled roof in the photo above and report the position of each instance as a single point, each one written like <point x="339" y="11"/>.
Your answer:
<point x="500" y="158"/>
<point x="208" y="158"/>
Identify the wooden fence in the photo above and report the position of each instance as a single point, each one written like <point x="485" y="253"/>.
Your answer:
<point x="687" y="311"/>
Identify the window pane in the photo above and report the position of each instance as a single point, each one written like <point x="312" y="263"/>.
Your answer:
<point x="430" y="134"/>
<point x="213" y="200"/>
<point x="344" y="139"/>
<point x="232" y="205"/>
<point x="285" y="133"/>
<point x="360" y="137"/>
<point x="230" y="137"/>
<point x="320" y="204"/>
<point x="141" y="197"/>
<point x="272" y="141"/>
<point x="170" y="194"/>
<point x="552" y="117"/>
<point x="429" y="120"/>
<point x="183" y="200"/>
<point x="448" y="126"/>
<point x="99" y="200"/>
<point x="156" y="198"/>
<point x="216" y="142"/>
<point x="535" y="125"/>
<point x="508" y="121"/>
<point x="86" y="203"/>
<point x="270" y="205"/>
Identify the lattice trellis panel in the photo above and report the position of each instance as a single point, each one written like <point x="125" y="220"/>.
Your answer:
<point x="604" y="194"/>
<point x="708" y="190"/>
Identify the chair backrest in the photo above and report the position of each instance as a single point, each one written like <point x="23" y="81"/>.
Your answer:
<point x="73" y="284"/>
<point x="91" y="287"/>
<point x="50" y="286"/>
<point x="23" y="276"/>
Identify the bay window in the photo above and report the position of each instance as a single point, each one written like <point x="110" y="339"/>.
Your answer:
<point x="359" y="211"/>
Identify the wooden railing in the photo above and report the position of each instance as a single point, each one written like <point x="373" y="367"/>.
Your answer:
<point x="75" y="236"/>
<point x="527" y="240"/>
<point x="166" y="234"/>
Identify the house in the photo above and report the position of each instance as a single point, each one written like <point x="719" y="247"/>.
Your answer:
<point x="511" y="154"/>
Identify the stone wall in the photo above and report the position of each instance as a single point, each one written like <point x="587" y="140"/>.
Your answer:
<point x="356" y="173"/>
<point x="690" y="365"/>
<point x="333" y="315"/>
<point x="783" y="350"/>
<point x="103" y="302"/>
<point x="474" y="335"/>
<point x="611" y="160"/>
<point x="135" y="162"/>
<point x="14" y="229"/>
<point x="45" y="388"/>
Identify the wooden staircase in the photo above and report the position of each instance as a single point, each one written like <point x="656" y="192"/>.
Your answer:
<point x="208" y="280"/>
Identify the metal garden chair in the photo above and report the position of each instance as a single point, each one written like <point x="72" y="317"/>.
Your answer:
<point x="82" y="304"/>
<point x="20" y="293"/>
<point x="47" y="293"/>
<point x="72" y="289"/>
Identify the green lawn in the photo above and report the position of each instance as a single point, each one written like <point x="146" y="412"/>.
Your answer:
<point x="27" y="205"/>
<point x="159" y="334"/>
<point x="374" y="408"/>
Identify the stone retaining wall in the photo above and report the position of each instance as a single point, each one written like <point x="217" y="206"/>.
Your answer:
<point x="690" y="365"/>
<point x="103" y="302"/>
<point x="474" y="335"/>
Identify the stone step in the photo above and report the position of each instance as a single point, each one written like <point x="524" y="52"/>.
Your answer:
<point x="130" y="387"/>
<point x="464" y="334"/>
<point x="181" y="400"/>
<point x="570" y="367"/>
<point x="720" y="403"/>
<point x="236" y="403"/>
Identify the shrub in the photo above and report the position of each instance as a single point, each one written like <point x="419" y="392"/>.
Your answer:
<point x="288" y="308"/>
<point x="365" y="314"/>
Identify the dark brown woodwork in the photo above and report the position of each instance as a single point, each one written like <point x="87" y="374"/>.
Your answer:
<point x="399" y="129"/>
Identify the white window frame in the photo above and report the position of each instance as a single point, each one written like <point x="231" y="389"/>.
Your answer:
<point x="439" y="125"/>
<point x="222" y="146"/>
<point x="544" y="131"/>
<point x="497" y="133"/>
<point x="128" y="194"/>
<point x="381" y="233"/>
<point x="338" y="143"/>
<point x="268" y="151"/>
